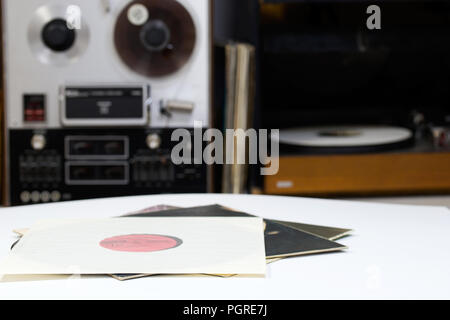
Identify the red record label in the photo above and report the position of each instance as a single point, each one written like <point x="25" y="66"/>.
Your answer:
<point x="140" y="243"/>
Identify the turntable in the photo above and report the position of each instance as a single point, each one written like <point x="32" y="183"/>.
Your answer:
<point x="359" y="110"/>
<point x="93" y="92"/>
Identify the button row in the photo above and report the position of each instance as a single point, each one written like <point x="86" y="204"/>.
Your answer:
<point x="40" y="169"/>
<point x="36" y="196"/>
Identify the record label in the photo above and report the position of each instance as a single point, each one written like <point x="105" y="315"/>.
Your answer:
<point x="140" y="243"/>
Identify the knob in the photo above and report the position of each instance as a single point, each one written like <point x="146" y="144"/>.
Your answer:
<point x="35" y="196"/>
<point x="155" y="35"/>
<point x="45" y="196"/>
<point x="153" y="141"/>
<point x="25" y="197"/>
<point x="38" y="142"/>
<point x="55" y="196"/>
<point x="57" y="36"/>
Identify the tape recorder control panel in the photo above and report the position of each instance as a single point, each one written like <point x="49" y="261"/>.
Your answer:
<point x="99" y="163"/>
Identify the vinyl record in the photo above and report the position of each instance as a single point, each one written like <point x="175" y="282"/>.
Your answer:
<point x="346" y="138"/>
<point x="155" y="38"/>
<point x="280" y="240"/>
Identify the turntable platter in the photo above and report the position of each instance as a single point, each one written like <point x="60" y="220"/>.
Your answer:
<point x="345" y="136"/>
<point x="155" y="38"/>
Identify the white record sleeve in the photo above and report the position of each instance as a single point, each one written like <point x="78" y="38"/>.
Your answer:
<point x="168" y="245"/>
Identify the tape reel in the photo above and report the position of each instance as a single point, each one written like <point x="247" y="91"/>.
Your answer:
<point x="57" y="34"/>
<point x="155" y="38"/>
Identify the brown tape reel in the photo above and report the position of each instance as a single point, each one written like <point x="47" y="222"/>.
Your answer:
<point x="160" y="46"/>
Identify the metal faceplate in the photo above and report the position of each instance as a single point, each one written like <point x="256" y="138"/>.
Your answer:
<point x="32" y="68"/>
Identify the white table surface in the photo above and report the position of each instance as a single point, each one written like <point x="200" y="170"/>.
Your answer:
<point x="395" y="252"/>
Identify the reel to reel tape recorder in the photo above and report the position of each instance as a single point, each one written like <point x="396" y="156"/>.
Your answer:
<point x="94" y="89"/>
